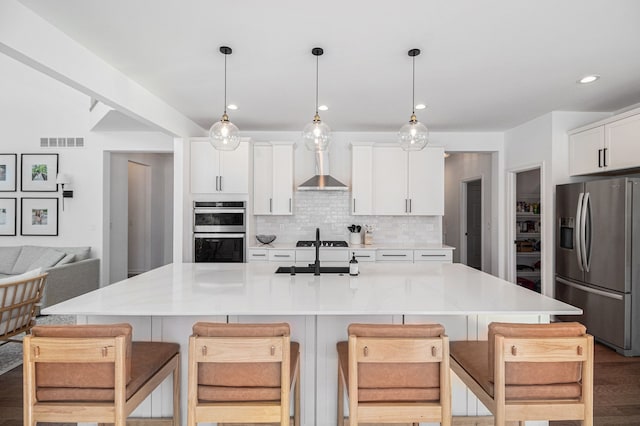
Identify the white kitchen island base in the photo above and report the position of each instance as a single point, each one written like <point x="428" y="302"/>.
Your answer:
<point x="163" y="304"/>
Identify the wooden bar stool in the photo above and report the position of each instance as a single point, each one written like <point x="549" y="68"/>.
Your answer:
<point x="93" y="373"/>
<point x="530" y="371"/>
<point x="395" y="374"/>
<point x="243" y="373"/>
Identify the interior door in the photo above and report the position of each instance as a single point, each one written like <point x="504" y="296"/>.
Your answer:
<point x="567" y="197"/>
<point x="474" y="224"/>
<point x="607" y="219"/>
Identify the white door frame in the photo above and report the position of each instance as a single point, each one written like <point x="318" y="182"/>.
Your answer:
<point x="463" y="218"/>
<point x="510" y="233"/>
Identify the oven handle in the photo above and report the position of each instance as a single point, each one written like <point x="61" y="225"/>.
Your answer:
<point x="217" y="235"/>
<point x="217" y="210"/>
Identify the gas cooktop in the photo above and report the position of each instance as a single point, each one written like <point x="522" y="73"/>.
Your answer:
<point x="322" y="244"/>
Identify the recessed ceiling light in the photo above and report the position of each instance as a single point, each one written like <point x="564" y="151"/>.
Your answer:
<point x="421" y="106"/>
<point x="232" y="107"/>
<point x="323" y="108"/>
<point x="589" y="79"/>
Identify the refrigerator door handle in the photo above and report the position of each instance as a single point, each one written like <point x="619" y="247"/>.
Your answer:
<point x="578" y="228"/>
<point x="590" y="290"/>
<point x="583" y="232"/>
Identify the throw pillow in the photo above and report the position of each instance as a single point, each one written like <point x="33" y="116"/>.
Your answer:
<point x="49" y="258"/>
<point x="69" y="258"/>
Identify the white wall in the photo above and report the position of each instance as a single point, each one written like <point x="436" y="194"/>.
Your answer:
<point x="34" y="106"/>
<point x="461" y="167"/>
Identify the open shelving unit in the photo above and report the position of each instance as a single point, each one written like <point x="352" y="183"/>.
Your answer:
<point x="528" y="232"/>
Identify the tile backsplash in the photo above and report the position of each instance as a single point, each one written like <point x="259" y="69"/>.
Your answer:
<point x="330" y="211"/>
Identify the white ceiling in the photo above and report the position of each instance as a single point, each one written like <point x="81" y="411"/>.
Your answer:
<point x="486" y="65"/>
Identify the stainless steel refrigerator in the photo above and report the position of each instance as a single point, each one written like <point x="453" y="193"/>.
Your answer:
<point x="598" y="258"/>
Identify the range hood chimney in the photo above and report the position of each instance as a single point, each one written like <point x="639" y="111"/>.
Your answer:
<point x="322" y="181"/>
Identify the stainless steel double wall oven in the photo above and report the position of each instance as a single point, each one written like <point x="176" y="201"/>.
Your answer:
<point x="219" y="231"/>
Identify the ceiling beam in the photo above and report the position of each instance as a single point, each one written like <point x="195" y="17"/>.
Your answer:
<point x="28" y="38"/>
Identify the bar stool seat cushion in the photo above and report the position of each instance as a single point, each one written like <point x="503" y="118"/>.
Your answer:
<point x="95" y="381"/>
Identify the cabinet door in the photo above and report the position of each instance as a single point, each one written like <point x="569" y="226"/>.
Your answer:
<point x="262" y="179"/>
<point x="622" y="149"/>
<point x="389" y="181"/>
<point x="585" y="151"/>
<point x="426" y="182"/>
<point x="234" y="170"/>
<point x="361" y="180"/>
<point x="282" y="179"/>
<point x="205" y="167"/>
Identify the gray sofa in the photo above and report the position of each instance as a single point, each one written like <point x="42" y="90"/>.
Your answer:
<point x="72" y="271"/>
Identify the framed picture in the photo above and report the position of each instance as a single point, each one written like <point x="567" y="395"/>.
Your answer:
<point x="39" y="216"/>
<point x="39" y="172"/>
<point x="8" y="172"/>
<point x="8" y="216"/>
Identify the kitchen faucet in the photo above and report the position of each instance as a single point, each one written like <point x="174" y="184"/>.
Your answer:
<point x="316" y="264"/>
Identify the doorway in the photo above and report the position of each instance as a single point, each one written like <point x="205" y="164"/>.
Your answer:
<point x="139" y="218"/>
<point x="471" y="222"/>
<point x="527" y="228"/>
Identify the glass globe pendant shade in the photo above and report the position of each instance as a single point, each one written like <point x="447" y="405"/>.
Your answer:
<point x="414" y="135"/>
<point x="316" y="135"/>
<point x="223" y="135"/>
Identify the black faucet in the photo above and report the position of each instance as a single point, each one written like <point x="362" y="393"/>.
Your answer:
<point x="317" y="243"/>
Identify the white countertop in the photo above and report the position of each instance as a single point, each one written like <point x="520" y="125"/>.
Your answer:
<point x="375" y="246"/>
<point x="198" y="289"/>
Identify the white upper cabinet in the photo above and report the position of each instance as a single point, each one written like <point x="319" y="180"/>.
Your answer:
<point x="390" y="181"/>
<point x="273" y="178"/>
<point x="613" y="145"/>
<point x="214" y="171"/>
<point x="426" y="182"/>
<point x="362" y="179"/>
<point x="408" y="183"/>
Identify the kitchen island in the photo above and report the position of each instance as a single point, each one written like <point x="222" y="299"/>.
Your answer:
<point x="163" y="304"/>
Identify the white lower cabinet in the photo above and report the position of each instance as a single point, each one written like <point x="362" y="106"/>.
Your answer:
<point x="258" y="255"/>
<point x="364" y="255"/>
<point x="394" y="255"/>
<point x="326" y="255"/>
<point x="433" y="255"/>
<point x="280" y="255"/>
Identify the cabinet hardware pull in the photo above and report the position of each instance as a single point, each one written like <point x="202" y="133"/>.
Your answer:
<point x="289" y="205"/>
<point x="270" y="205"/>
<point x="354" y="205"/>
<point x="410" y="209"/>
<point x="258" y="255"/>
<point x="221" y="186"/>
<point x="604" y="157"/>
<point x="599" y="158"/>
<point x="394" y="255"/>
<point x="434" y="255"/>
<point x="280" y="255"/>
<point x="217" y="184"/>
<point x="406" y="210"/>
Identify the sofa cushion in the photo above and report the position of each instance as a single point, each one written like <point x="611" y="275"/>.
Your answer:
<point x="32" y="257"/>
<point x="81" y="253"/>
<point x="68" y="258"/>
<point x="8" y="256"/>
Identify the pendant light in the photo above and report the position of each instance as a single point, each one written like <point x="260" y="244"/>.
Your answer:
<point x="223" y="135"/>
<point x="414" y="135"/>
<point x="317" y="135"/>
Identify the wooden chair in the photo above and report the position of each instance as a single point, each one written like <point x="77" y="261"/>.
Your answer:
<point x="242" y="373"/>
<point x="530" y="371"/>
<point x="395" y="374"/>
<point x="93" y="373"/>
<point x="18" y="304"/>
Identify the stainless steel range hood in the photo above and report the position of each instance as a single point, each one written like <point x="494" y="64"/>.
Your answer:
<point x="323" y="181"/>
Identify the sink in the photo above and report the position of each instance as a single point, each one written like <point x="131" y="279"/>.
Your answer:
<point x="311" y="270"/>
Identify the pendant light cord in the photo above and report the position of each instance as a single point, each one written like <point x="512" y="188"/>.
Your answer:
<point x="225" y="83"/>
<point x="317" y="85"/>
<point x="413" y="91"/>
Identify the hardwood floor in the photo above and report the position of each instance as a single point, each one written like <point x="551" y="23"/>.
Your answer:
<point x="616" y="392"/>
